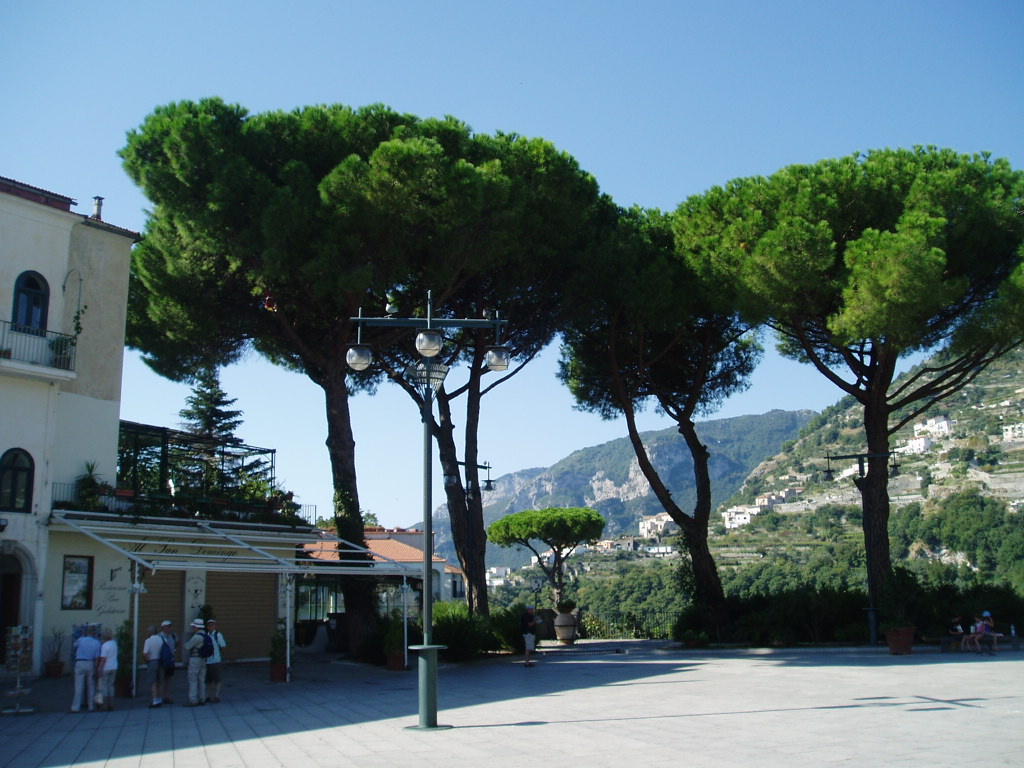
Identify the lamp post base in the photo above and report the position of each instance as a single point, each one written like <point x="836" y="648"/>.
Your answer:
<point x="427" y="688"/>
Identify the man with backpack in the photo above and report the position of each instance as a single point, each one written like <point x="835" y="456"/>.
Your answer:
<point x="159" y="653"/>
<point x="168" y="657"/>
<point x="213" y="663"/>
<point x="199" y="648"/>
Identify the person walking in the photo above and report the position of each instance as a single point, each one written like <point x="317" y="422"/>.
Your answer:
<point x="213" y="663"/>
<point x="86" y="648"/>
<point x="196" y="665"/>
<point x="154" y="673"/>
<point x="528" y="626"/>
<point x="106" y="670"/>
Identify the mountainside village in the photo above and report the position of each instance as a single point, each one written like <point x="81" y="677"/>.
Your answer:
<point x="922" y="466"/>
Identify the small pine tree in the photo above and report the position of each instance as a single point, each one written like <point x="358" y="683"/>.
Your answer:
<point x="208" y="413"/>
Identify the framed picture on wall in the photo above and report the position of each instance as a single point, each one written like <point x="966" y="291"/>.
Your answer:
<point x="77" y="590"/>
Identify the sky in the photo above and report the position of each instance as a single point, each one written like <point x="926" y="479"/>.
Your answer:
<point x="658" y="100"/>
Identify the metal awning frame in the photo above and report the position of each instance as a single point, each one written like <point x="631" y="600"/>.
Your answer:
<point x="254" y="547"/>
<point x="175" y="544"/>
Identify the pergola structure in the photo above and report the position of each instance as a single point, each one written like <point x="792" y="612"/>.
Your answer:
<point x="154" y="544"/>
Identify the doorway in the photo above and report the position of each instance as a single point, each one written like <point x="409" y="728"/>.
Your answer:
<point x="10" y="598"/>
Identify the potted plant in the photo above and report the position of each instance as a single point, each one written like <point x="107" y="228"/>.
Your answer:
<point x="125" y="638"/>
<point x="565" y="622"/>
<point x="895" y="603"/>
<point x="692" y="638"/>
<point x="54" y="665"/>
<point x="91" y="488"/>
<point x="279" y="654"/>
<point x="900" y="639"/>
<point x="5" y="352"/>
<point x="393" y="641"/>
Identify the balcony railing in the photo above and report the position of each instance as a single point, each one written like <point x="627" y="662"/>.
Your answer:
<point x="33" y="345"/>
<point x="125" y="502"/>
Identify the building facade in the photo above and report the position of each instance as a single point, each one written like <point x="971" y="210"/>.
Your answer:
<point x="63" y="304"/>
<point x="71" y="552"/>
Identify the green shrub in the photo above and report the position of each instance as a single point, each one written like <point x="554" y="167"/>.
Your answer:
<point x="388" y="637"/>
<point x="466" y="636"/>
<point x="808" y="614"/>
<point x="505" y="626"/>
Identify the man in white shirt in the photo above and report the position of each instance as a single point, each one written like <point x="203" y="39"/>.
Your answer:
<point x="151" y="650"/>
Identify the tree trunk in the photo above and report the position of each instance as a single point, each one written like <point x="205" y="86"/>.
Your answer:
<point x="465" y="510"/>
<point x="710" y="594"/>
<point x="874" y="490"/>
<point x="359" y="593"/>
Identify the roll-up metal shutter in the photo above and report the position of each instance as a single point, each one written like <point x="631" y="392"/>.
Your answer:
<point x="245" y="607"/>
<point x="164" y="599"/>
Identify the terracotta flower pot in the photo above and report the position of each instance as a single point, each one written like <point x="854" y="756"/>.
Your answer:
<point x="396" y="661"/>
<point x="900" y="640"/>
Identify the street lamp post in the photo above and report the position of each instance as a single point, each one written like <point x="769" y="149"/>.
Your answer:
<point x="829" y="475"/>
<point x="428" y="376"/>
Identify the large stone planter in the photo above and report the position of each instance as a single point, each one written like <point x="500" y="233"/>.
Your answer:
<point x="565" y="628"/>
<point x="900" y="640"/>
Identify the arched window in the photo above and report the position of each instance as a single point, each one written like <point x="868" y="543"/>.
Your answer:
<point x="16" y="474"/>
<point x="31" y="303"/>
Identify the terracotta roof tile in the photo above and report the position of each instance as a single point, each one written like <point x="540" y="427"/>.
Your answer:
<point x="381" y="549"/>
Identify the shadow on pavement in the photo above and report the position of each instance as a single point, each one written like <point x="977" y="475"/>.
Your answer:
<point x="327" y="692"/>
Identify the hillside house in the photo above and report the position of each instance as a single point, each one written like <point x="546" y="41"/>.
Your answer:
<point x="498" y="576"/>
<point x="1013" y="433"/>
<point x="917" y="445"/>
<point x="936" y="426"/>
<point x="621" y="544"/>
<point x="769" y="500"/>
<point x="657" y="526"/>
<point x="659" y="551"/>
<point x="738" y="516"/>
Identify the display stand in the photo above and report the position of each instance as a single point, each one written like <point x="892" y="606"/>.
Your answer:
<point x="19" y="661"/>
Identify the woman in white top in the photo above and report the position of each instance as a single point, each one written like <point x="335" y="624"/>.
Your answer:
<point x="106" y="670"/>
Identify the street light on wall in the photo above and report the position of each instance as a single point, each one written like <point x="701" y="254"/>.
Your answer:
<point x="428" y="375"/>
<point x="470" y="488"/>
<point x="829" y="474"/>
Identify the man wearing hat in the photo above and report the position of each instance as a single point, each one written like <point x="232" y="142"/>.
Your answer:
<point x="196" y="665"/>
<point x="168" y="637"/>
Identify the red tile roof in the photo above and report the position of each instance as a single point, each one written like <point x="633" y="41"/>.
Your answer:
<point x="380" y="549"/>
<point x="36" y="194"/>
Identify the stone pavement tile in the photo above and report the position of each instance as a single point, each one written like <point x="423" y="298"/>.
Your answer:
<point x="769" y="709"/>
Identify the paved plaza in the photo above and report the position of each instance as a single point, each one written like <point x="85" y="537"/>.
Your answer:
<point x="646" y="703"/>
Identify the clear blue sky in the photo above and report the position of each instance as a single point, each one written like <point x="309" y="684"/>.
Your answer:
<point x="659" y="100"/>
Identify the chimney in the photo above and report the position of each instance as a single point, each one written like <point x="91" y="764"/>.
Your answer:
<point x="97" y="208"/>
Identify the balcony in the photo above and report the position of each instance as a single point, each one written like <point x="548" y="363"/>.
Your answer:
<point x="22" y="344"/>
<point x="272" y="510"/>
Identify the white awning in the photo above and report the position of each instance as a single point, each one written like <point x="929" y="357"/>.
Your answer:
<point x="165" y="543"/>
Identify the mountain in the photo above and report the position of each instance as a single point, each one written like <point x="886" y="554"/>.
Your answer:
<point x="607" y="477"/>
